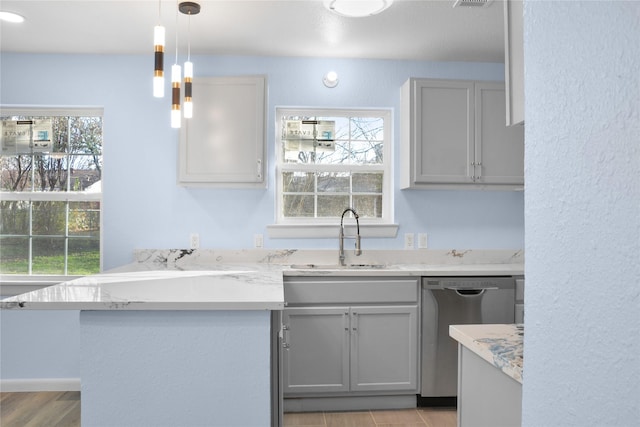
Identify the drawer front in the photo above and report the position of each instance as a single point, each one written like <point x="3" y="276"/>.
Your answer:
<point x="347" y="291"/>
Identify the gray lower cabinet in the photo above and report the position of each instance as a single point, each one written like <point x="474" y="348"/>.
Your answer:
<point x="367" y="344"/>
<point x="350" y="348"/>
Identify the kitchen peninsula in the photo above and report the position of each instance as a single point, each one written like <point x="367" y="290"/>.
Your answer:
<point x="489" y="356"/>
<point x="186" y="337"/>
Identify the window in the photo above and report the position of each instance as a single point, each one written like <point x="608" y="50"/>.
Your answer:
<point x="50" y="191"/>
<point x="328" y="160"/>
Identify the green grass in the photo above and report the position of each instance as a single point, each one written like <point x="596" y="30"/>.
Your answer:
<point x="80" y="264"/>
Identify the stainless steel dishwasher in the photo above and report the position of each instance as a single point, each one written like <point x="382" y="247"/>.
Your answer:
<point x="457" y="301"/>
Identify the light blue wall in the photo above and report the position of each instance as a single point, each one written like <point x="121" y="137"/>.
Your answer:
<point x="582" y="212"/>
<point x="138" y="368"/>
<point x="144" y="208"/>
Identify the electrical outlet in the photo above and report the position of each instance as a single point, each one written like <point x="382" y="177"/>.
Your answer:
<point x="408" y="241"/>
<point x="422" y="241"/>
<point x="258" y="240"/>
<point x="194" y="240"/>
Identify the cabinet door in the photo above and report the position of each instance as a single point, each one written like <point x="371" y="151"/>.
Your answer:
<point x="384" y="348"/>
<point x="499" y="148"/>
<point x="316" y="353"/>
<point x="514" y="61"/>
<point x="444" y="123"/>
<point x="224" y="143"/>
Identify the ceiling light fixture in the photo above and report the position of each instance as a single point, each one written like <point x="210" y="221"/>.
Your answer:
<point x="176" y="77"/>
<point x="188" y="8"/>
<point x="158" y="53"/>
<point x="11" y="17"/>
<point x="330" y="79"/>
<point x="357" y="8"/>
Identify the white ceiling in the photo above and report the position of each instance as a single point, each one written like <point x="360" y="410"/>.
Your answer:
<point x="409" y="29"/>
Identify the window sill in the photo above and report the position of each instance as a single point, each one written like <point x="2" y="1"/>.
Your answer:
<point x="328" y="231"/>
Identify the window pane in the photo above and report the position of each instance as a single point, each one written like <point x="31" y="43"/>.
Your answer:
<point x="16" y="173"/>
<point x="48" y="255"/>
<point x="338" y="155"/>
<point x="84" y="256"/>
<point x="14" y="217"/>
<point x="49" y="218"/>
<point x="14" y="255"/>
<point x="298" y="206"/>
<point x="85" y="173"/>
<point x="301" y="182"/>
<point x="368" y="206"/>
<point x="334" y="182"/>
<point x="84" y="219"/>
<point x="51" y="172"/>
<point x="332" y="206"/>
<point x="367" y="128"/>
<point x="86" y="135"/>
<point x="367" y="182"/>
<point x="366" y="153"/>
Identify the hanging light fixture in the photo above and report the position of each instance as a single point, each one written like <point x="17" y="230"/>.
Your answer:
<point x="158" y="49"/>
<point x="188" y="8"/>
<point x="176" y="73"/>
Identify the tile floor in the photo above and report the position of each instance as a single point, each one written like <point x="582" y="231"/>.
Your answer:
<point x="420" y="417"/>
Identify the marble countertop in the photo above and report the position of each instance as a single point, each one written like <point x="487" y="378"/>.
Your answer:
<point x="235" y="288"/>
<point x="500" y="345"/>
<point x="243" y="280"/>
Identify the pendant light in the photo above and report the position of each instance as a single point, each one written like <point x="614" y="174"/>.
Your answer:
<point x="176" y="73"/>
<point x="158" y="52"/>
<point x="188" y="8"/>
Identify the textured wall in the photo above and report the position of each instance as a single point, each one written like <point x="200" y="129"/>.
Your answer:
<point x="175" y="368"/>
<point x="582" y="214"/>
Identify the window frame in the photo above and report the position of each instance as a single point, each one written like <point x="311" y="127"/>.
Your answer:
<point x="41" y="280"/>
<point x="326" y="227"/>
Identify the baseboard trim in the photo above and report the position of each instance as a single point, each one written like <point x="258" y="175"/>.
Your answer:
<point x="349" y="403"/>
<point x="40" y="384"/>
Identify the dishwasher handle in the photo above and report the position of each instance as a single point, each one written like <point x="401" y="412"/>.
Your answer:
<point x="469" y="292"/>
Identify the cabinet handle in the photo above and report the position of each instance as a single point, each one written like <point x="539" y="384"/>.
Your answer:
<point x="259" y="169"/>
<point x="285" y="336"/>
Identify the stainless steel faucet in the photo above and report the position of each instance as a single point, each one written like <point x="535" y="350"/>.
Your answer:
<point x="358" y="251"/>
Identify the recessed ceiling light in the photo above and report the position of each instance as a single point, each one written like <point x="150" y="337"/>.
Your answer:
<point x="357" y="8"/>
<point x="11" y="17"/>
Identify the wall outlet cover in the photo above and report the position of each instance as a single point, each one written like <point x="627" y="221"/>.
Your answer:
<point x="409" y="241"/>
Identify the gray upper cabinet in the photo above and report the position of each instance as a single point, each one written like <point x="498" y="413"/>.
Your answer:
<point x="453" y="135"/>
<point x="514" y="61"/>
<point x="499" y="150"/>
<point x="223" y="145"/>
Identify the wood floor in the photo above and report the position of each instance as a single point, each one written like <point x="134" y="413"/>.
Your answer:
<point x="62" y="409"/>
<point x="42" y="409"/>
<point x="420" y="417"/>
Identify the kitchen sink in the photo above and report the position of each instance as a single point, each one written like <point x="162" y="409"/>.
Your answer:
<point x="335" y="266"/>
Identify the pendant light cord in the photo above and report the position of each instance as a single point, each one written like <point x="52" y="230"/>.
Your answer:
<point x="189" y="37"/>
<point x="177" y="13"/>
